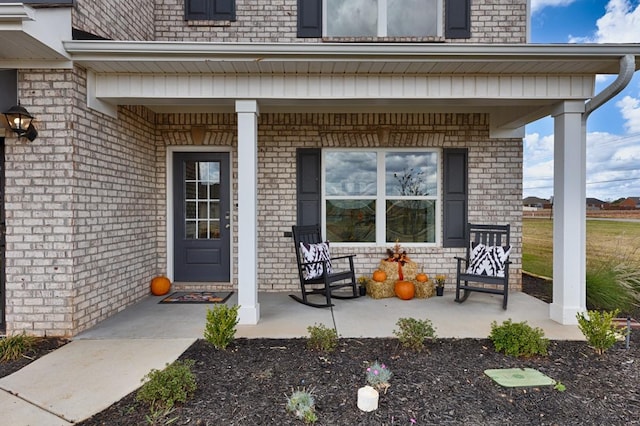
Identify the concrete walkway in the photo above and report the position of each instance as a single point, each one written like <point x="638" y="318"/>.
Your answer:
<point x="107" y="362"/>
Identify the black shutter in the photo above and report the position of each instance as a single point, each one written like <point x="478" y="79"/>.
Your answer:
<point x="310" y="18"/>
<point x="308" y="186"/>
<point x="196" y="10"/>
<point x="224" y="10"/>
<point x="457" y="17"/>
<point x="8" y="91"/>
<point x="219" y="10"/>
<point x="455" y="197"/>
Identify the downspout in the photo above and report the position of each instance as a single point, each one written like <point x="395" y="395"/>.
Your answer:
<point x="627" y="69"/>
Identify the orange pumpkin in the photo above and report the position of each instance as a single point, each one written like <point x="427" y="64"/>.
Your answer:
<point x="405" y="290"/>
<point x="160" y="286"/>
<point x="379" y="275"/>
<point x="422" y="277"/>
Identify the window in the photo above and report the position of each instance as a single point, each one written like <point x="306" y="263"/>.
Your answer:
<point x="218" y="10"/>
<point x="381" y="196"/>
<point x="382" y="18"/>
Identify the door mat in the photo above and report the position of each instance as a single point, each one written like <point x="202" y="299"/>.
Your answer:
<point x="515" y="377"/>
<point x="197" y="297"/>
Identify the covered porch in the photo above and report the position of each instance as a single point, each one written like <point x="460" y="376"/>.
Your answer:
<point x="282" y="317"/>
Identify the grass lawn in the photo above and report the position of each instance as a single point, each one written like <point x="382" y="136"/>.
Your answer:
<point x="605" y="238"/>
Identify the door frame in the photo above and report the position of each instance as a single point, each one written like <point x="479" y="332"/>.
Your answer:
<point x="171" y="150"/>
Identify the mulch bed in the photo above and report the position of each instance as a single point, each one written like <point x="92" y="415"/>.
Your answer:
<point x="446" y="384"/>
<point x="247" y="384"/>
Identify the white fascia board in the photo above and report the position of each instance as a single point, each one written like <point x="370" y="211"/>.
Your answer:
<point x="50" y="27"/>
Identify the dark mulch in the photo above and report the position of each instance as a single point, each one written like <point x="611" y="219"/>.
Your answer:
<point x="248" y="384"/>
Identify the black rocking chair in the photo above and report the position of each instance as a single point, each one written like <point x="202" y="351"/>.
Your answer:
<point x="489" y="235"/>
<point x="327" y="283"/>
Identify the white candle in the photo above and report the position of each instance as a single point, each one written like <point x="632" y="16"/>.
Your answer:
<point x="367" y="399"/>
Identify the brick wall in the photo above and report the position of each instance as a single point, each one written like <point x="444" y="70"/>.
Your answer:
<point x="81" y="210"/>
<point x="492" y="21"/>
<point x="115" y="19"/>
<point x="39" y="206"/>
<point x="85" y="201"/>
<point x="495" y="192"/>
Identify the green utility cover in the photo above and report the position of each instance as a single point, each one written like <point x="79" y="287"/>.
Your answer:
<point x="515" y="377"/>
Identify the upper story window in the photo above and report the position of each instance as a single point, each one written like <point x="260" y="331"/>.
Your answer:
<point x="210" y="10"/>
<point x="385" y="18"/>
<point x="382" y="18"/>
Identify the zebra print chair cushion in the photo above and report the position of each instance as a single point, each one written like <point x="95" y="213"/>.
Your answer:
<point x="488" y="260"/>
<point x="315" y="253"/>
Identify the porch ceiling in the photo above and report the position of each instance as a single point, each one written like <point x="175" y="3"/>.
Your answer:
<point x="521" y="83"/>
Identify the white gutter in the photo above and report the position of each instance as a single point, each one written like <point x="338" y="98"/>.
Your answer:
<point x="16" y="12"/>
<point x="627" y="69"/>
<point x="101" y="48"/>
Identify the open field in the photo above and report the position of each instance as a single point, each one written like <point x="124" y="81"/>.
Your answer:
<point x="605" y="238"/>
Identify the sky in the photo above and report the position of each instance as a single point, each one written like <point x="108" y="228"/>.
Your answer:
<point x="613" y="130"/>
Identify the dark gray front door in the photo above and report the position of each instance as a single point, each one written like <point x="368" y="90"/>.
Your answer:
<point x="202" y="225"/>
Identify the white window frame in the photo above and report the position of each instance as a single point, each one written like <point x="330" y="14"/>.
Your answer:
<point x="381" y="197"/>
<point x="382" y="19"/>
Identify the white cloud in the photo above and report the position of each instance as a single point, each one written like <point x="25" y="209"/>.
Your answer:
<point x="620" y="24"/>
<point x="630" y="110"/>
<point x="612" y="165"/>
<point x="537" y="5"/>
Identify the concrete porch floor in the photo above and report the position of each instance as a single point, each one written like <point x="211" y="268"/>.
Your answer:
<point x="282" y="317"/>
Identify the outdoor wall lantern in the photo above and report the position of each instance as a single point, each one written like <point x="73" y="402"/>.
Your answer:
<point x="19" y="121"/>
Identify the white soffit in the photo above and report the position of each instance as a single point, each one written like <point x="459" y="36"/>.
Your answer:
<point x="348" y="58"/>
<point x="33" y="37"/>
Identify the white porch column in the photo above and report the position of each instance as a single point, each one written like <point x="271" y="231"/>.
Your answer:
<point x="569" y="213"/>
<point x="247" y="111"/>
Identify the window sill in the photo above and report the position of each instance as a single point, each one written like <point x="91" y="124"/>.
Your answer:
<point x="431" y="39"/>
<point x="209" y="23"/>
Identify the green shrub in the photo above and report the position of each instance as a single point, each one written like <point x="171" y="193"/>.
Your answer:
<point x="16" y="346"/>
<point x="220" y="329"/>
<point x="164" y="388"/>
<point x="412" y="332"/>
<point x="302" y="404"/>
<point x="322" y="338"/>
<point x="518" y="339"/>
<point x="600" y="330"/>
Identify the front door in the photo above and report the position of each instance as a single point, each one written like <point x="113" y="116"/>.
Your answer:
<point x="202" y="214"/>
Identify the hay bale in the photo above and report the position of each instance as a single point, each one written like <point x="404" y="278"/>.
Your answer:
<point x="380" y="290"/>
<point x="424" y="290"/>
<point x="409" y="270"/>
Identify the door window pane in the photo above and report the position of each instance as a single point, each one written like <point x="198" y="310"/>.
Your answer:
<point x="202" y="199"/>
